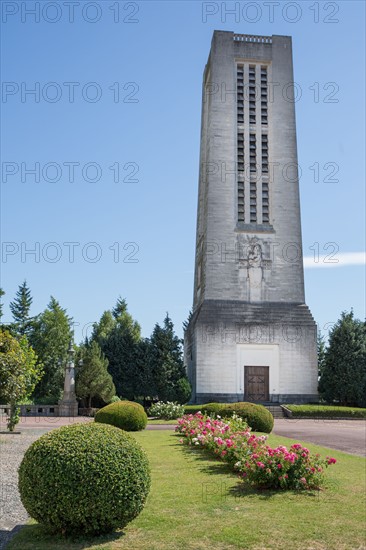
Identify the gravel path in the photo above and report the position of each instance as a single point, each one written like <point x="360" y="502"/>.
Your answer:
<point x="12" y="512"/>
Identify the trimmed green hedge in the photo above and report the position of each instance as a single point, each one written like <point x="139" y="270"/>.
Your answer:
<point x="258" y="417"/>
<point x="206" y="408"/>
<point x="84" y="479"/>
<point x="326" y="411"/>
<point x="192" y="409"/>
<point x="126" y="415"/>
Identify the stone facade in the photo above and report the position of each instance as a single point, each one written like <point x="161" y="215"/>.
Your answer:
<point x="249" y="305"/>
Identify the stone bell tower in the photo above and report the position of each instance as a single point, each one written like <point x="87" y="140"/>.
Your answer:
<point x="251" y="336"/>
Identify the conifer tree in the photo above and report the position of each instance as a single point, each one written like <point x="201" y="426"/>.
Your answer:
<point x="92" y="376"/>
<point x="1" y="303"/>
<point x="187" y="321"/>
<point x="166" y="364"/>
<point x="103" y="328"/>
<point x="343" y="378"/>
<point x="321" y="352"/>
<point x="20" y="308"/>
<point x="118" y="335"/>
<point x="144" y="380"/>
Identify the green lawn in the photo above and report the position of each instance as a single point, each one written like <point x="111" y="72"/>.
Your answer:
<point x="196" y="503"/>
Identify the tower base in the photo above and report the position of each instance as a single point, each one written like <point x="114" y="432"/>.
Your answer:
<point x="240" y="351"/>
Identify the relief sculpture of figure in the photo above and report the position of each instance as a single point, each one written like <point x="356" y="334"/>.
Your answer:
<point x="255" y="271"/>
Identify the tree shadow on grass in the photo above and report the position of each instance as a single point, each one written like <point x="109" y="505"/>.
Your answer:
<point x="37" y="537"/>
<point x="212" y="465"/>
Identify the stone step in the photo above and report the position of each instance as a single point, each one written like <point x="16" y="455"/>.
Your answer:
<point x="275" y="410"/>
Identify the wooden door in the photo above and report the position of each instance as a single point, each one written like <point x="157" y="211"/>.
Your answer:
<point x="256" y="384"/>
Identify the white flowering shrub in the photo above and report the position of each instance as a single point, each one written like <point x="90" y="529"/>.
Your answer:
<point x="167" y="411"/>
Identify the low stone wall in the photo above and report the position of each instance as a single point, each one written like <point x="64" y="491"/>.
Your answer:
<point x="46" y="410"/>
<point x="33" y="410"/>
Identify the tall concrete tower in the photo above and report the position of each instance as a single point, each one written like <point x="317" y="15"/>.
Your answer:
<point x="251" y="336"/>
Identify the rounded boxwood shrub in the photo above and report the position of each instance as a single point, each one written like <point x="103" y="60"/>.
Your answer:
<point x="258" y="417"/>
<point x="192" y="409"/>
<point x="84" y="479"/>
<point x="126" y="415"/>
<point x="213" y="408"/>
<point x="205" y="408"/>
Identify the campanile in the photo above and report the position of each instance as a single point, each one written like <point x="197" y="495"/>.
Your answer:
<point x="251" y="336"/>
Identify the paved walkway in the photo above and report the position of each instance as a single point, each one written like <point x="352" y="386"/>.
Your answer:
<point x="43" y="424"/>
<point x="344" y="435"/>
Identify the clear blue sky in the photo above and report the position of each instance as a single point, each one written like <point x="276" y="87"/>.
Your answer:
<point x="161" y="48"/>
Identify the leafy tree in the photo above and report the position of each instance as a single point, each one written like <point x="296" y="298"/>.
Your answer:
<point x="19" y="373"/>
<point x="20" y="308"/>
<point x="343" y="378"/>
<point x="118" y="335"/>
<point x="1" y="303"/>
<point x="166" y="364"/>
<point x="321" y="352"/>
<point x="92" y="376"/>
<point x="50" y="339"/>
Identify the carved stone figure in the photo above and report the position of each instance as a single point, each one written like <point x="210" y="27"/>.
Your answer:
<point x="255" y="272"/>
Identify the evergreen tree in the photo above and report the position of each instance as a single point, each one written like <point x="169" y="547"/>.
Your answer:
<point x="321" y="352"/>
<point x="1" y="303"/>
<point x="92" y="376"/>
<point x="120" y="308"/>
<point x="20" y="308"/>
<point x="103" y="329"/>
<point x="187" y="321"/>
<point x="343" y="378"/>
<point x="125" y="320"/>
<point x="118" y="335"/>
<point x="50" y="339"/>
<point x="144" y="381"/>
<point x="166" y="364"/>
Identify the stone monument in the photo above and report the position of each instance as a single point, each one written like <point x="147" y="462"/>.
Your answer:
<point x="68" y="406"/>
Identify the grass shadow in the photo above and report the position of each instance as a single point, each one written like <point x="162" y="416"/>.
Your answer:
<point x="244" y="490"/>
<point x="37" y="536"/>
<point x="212" y="465"/>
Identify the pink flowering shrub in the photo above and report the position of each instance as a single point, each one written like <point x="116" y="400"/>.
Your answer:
<point x="228" y="439"/>
<point x="257" y="463"/>
<point x="281" y="468"/>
